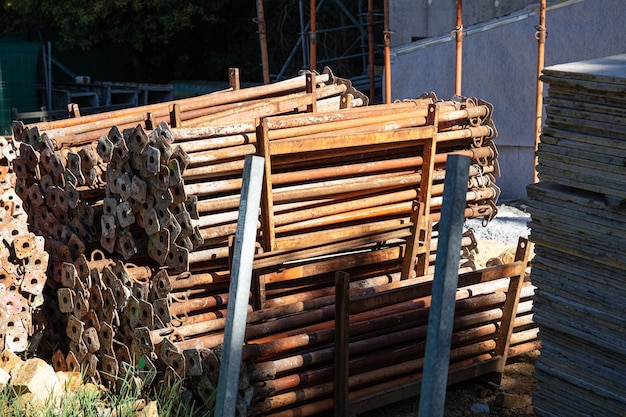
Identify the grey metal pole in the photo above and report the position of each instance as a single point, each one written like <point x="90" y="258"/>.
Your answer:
<point x="240" y="279"/>
<point x="441" y="316"/>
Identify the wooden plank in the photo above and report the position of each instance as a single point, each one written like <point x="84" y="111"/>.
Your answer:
<point x="585" y="351"/>
<point x="593" y="87"/>
<point x="603" y="278"/>
<point x="588" y="202"/>
<point x="599" y="327"/>
<point x="575" y="220"/>
<point x="582" y="159"/>
<point x="583" y="95"/>
<point x="573" y="103"/>
<point x="554" y="172"/>
<point x="546" y="237"/>
<point x="603" y="141"/>
<point x="576" y="288"/>
<point x="586" y="117"/>
<point x="590" y="126"/>
<point x="611" y="69"/>
<point x="590" y="151"/>
<point x="558" y="397"/>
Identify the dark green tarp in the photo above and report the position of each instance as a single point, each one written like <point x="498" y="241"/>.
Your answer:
<point x="18" y="79"/>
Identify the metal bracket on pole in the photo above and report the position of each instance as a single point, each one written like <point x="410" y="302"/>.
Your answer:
<point x="441" y="316"/>
<point x="240" y="279"/>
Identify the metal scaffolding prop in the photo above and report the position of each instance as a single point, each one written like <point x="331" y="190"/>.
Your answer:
<point x="23" y="262"/>
<point x="139" y="211"/>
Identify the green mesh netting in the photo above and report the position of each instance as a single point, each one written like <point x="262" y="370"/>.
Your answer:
<point x="18" y="80"/>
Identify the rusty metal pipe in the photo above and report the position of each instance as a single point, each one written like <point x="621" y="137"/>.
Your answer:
<point x="460" y="356"/>
<point x="329" y="188"/>
<point x="387" y="47"/>
<point x="458" y="34"/>
<point x="207" y="100"/>
<point x="268" y="106"/>
<point x="373" y="360"/>
<point x="263" y="40"/>
<point x="540" y="35"/>
<point x="396" y="119"/>
<point x="217" y="142"/>
<point x="212" y="155"/>
<point x="179" y="308"/>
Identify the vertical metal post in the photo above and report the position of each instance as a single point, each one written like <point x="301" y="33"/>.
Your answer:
<point x="459" y="47"/>
<point x="313" y="36"/>
<point x="263" y="40"/>
<point x="267" y="199"/>
<point x="302" y="37"/>
<point x="370" y="49"/>
<point x="541" y="40"/>
<point x="509" y="309"/>
<point x="49" y="77"/>
<point x="233" y="78"/>
<point x="342" y="343"/>
<point x="441" y="316"/>
<point x="238" y="294"/>
<point x="387" y="42"/>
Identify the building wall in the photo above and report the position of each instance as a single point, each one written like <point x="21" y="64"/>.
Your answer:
<point x="500" y="66"/>
<point x="411" y="19"/>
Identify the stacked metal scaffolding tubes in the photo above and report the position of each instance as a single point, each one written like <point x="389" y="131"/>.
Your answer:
<point x="139" y="209"/>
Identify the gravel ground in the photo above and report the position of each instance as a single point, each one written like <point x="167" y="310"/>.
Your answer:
<point x="509" y="224"/>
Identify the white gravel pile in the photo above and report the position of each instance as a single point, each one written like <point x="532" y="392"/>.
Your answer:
<point x="508" y="226"/>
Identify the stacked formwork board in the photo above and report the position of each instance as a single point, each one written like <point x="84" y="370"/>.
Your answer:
<point x="141" y="264"/>
<point x="579" y="230"/>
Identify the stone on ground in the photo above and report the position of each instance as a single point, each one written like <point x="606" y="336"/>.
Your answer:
<point x="35" y="381"/>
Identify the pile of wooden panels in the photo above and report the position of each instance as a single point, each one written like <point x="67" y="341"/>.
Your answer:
<point x="579" y="230"/>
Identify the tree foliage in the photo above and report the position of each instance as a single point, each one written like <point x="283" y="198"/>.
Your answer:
<point x="135" y="23"/>
<point x="194" y="39"/>
<point x="167" y="38"/>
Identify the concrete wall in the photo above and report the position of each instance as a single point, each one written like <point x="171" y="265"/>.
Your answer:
<point x="500" y="66"/>
<point x="410" y="19"/>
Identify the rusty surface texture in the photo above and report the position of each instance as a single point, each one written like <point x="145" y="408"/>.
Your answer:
<point x="137" y="210"/>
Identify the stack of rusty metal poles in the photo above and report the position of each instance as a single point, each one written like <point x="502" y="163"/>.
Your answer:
<point x="24" y="263"/>
<point x="219" y="235"/>
<point x="60" y="166"/>
<point x="291" y="344"/>
<point x="198" y="298"/>
<point x="60" y="156"/>
<point x="299" y="384"/>
<point x="86" y="129"/>
<point x="334" y="190"/>
<point x="158" y="170"/>
<point x="341" y="185"/>
<point x="62" y="191"/>
<point x="189" y="328"/>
